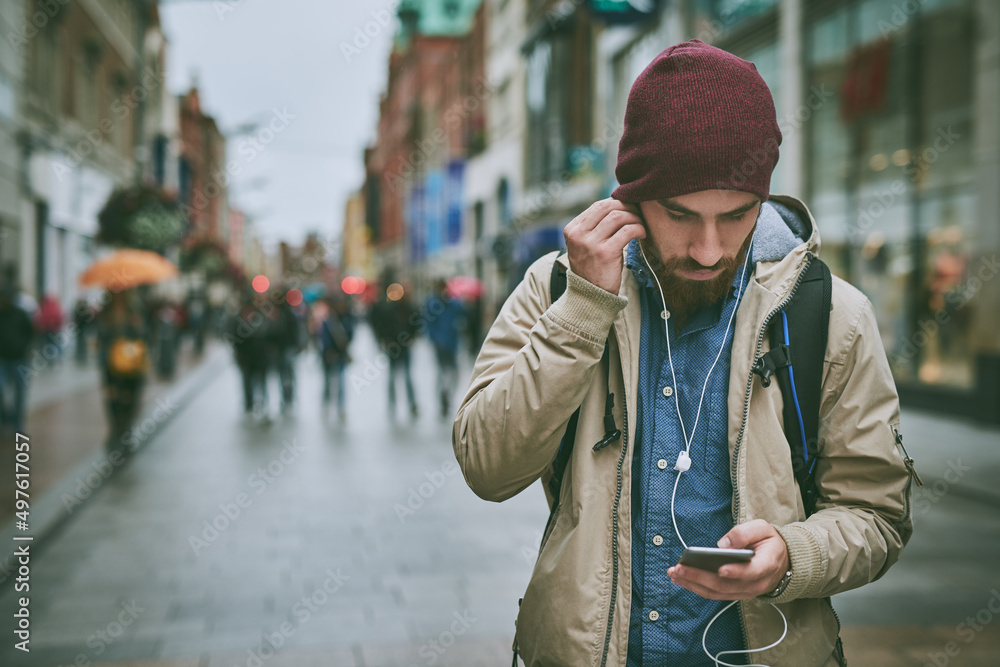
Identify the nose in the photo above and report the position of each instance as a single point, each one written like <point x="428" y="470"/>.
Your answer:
<point x="706" y="247"/>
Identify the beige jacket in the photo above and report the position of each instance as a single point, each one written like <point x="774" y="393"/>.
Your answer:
<point x="541" y="361"/>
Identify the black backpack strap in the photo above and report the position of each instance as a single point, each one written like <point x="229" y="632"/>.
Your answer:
<point x="798" y="336"/>
<point x="557" y="281"/>
<point x="557" y="286"/>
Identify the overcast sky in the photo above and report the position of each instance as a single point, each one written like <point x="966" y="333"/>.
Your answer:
<point x="258" y="60"/>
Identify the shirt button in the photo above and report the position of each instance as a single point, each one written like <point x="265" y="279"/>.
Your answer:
<point x="654" y="615"/>
<point x="668" y="391"/>
<point x="665" y="314"/>
<point x="662" y="464"/>
<point x="657" y="540"/>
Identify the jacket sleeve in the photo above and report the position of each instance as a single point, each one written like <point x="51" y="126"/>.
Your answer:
<point x="532" y="373"/>
<point x="862" y="519"/>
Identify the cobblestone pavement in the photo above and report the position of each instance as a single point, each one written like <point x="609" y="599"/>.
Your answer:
<point x="358" y="543"/>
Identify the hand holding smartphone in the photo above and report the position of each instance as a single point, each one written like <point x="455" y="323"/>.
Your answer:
<point x="712" y="558"/>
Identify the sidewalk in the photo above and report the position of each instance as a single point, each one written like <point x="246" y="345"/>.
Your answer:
<point x="66" y="418"/>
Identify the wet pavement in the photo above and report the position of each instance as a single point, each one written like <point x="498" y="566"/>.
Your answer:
<point x="311" y="541"/>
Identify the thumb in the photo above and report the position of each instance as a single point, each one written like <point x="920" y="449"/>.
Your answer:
<point x="746" y="533"/>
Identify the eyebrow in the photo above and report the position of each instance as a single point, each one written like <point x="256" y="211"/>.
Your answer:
<point x="674" y="206"/>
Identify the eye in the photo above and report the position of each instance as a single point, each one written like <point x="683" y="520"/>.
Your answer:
<point x="737" y="217"/>
<point x="673" y="215"/>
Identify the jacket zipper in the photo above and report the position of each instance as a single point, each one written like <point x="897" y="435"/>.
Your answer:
<point x="746" y="414"/>
<point x="614" y="534"/>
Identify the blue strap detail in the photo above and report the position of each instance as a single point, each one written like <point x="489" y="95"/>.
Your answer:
<point x="795" y="396"/>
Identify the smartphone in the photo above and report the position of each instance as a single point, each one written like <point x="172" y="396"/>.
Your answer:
<point x="712" y="558"/>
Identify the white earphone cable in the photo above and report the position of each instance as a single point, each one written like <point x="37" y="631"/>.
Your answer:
<point x="684" y="458"/>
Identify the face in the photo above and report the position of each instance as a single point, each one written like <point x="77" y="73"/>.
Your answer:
<point x="696" y="242"/>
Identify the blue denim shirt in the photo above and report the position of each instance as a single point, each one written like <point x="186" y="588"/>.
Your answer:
<point x="704" y="495"/>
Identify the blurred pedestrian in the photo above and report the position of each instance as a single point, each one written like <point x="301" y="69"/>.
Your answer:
<point x="196" y="320"/>
<point x="49" y="323"/>
<point x="82" y="318"/>
<point x="167" y="323"/>
<point x="287" y="341"/>
<point x="335" y="334"/>
<point x="249" y="334"/>
<point x="123" y="355"/>
<point x="445" y="318"/>
<point x="394" y="322"/>
<point x="16" y="333"/>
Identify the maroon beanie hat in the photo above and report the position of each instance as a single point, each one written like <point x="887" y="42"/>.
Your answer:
<point x="697" y="118"/>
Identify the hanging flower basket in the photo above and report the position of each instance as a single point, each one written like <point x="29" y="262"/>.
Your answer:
<point x="143" y="217"/>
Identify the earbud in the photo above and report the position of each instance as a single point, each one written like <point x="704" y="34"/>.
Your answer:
<point x="683" y="461"/>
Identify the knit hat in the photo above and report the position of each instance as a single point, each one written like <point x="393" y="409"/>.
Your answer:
<point x="697" y="118"/>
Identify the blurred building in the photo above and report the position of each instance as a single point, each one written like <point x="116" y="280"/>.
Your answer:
<point x="86" y="73"/>
<point x="494" y="177"/>
<point x="431" y="116"/>
<point x="203" y="182"/>
<point x="236" y="236"/>
<point x="357" y="257"/>
<point x="12" y="15"/>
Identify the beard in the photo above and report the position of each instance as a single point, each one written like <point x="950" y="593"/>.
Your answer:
<point x="683" y="296"/>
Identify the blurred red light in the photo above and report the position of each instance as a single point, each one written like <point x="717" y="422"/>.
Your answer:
<point x="352" y="285"/>
<point x="260" y="283"/>
<point x="294" y="297"/>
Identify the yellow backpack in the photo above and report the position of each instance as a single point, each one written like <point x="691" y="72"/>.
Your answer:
<point x="128" y="356"/>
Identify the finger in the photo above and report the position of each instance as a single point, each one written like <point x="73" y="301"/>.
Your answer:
<point x="623" y="236"/>
<point x="703" y="578"/>
<point x="612" y="222"/>
<point x="706" y="589"/>
<point x="751" y="574"/>
<point x="597" y="211"/>
<point x="747" y="533"/>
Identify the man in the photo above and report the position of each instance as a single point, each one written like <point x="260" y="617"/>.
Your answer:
<point x="679" y="275"/>
<point x="445" y="318"/>
<point x="395" y="323"/>
<point x="336" y="332"/>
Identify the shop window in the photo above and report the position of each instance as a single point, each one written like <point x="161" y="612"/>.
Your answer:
<point x="890" y="174"/>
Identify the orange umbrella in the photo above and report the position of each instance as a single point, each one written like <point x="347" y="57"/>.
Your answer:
<point x="127" y="268"/>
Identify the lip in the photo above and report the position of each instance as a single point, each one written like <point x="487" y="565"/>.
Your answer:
<point x="701" y="274"/>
